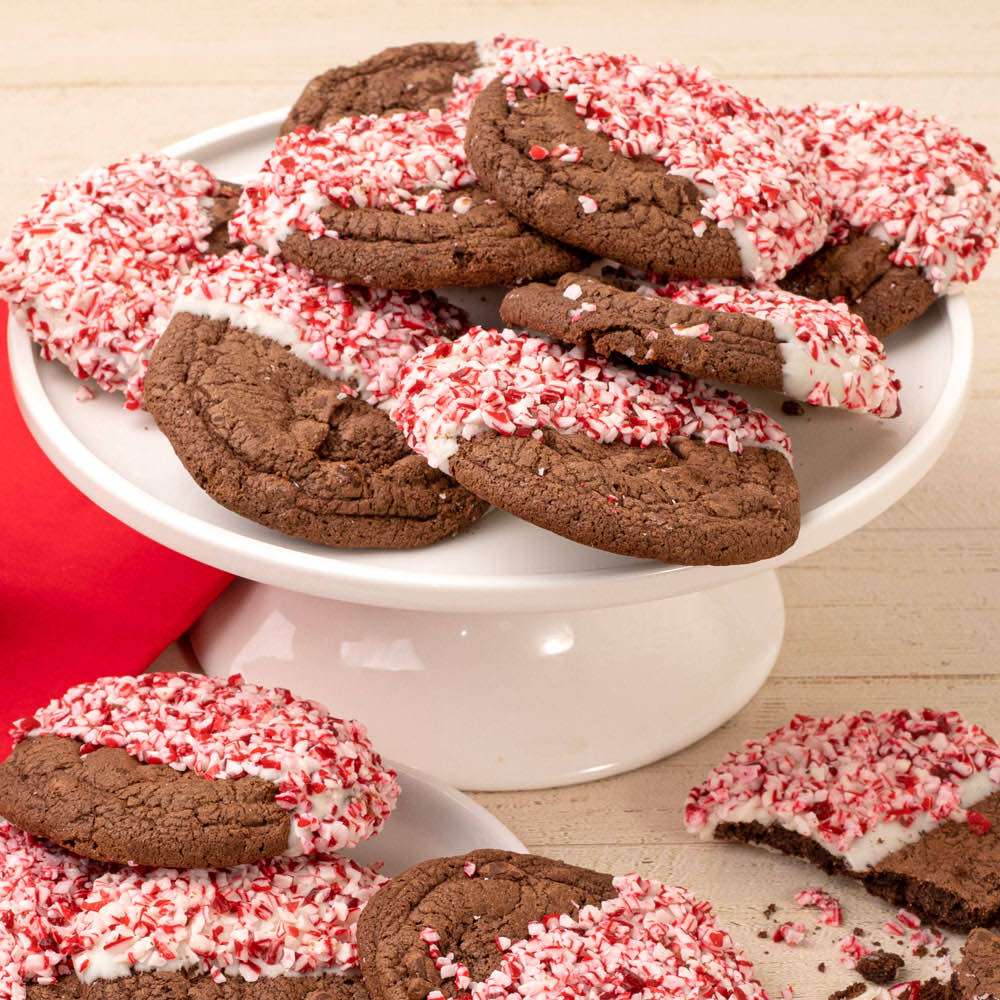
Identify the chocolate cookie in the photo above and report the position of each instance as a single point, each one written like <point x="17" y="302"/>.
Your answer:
<point x="491" y="924"/>
<point x="906" y="803"/>
<point x="469" y="902"/>
<point x="914" y="207"/>
<point x="144" y="770"/>
<point x="415" y="77"/>
<point x="662" y="167"/>
<point x="286" y="433"/>
<point x="91" y="271"/>
<point x="391" y="201"/>
<point x="884" y="295"/>
<point x="816" y="352"/>
<point x="978" y="974"/>
<point x="283" y="930"/>
<point x="185" y="986"/>
<point x="660" y="468"/>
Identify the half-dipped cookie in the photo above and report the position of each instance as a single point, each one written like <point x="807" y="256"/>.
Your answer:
<point x="91" y="271"/>
<point x="906" y="802"/>
<point x="660" y="467"/>
<point x="417" y="77"/>
<point x="663" y="168"/>
<point x="913" y="204"/>
<point x="816" y="352"/>
<point x="180" y="770"/>
<point x="76" y="930"/>
<point x="271" y="385"/>
<point x="389" y="200"/>
<point x="490" y="925"/>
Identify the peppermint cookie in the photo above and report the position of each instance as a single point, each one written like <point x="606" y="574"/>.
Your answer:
<point x="658" y="467"/>
<point x="816" y="352"/>
<point x="181" y="770"/>
<point x="91" y="271"/>
<point x="391" y="201"/>
<point x="906" y="802"/>
<point x="491" y="925"/>
<point x="663" y="168"/>
<point x="978" y="974"/>
<point x="416" y="77"/>
<point x="926" y="197"/>
<point x="270" y="385"/>
<point x="279" y="930"/>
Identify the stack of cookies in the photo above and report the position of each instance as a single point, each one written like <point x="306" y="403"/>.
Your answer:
<point x="659" y="235"/>
<point x="172" y="836"/>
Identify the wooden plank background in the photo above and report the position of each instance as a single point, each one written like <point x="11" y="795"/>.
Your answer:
<point x="905" y="611"/>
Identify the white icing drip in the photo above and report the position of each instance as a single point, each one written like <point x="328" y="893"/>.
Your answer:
<point x="869" y="849"/>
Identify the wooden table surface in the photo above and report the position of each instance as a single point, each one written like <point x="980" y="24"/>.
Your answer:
<point x="903" y="612"/>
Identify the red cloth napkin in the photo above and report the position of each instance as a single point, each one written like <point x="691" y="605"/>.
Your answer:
<point x="81" y="594"/>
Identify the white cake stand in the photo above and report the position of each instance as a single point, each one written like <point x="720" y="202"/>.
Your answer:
<point x="507" y="657"/>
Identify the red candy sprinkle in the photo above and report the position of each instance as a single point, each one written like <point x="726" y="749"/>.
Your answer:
<point x="325" y="768"/>
<point x="64" y="915"/>
<point x="917" y="183"/>
<point x="830" y="358"/>
<point x="831" y="913"/>
<point x="729" y="145"/>
<point x="860" y="785"/>
<point x="978" y="823"/>
<point x="90" y="271"/>
<point x="517" y="385"/>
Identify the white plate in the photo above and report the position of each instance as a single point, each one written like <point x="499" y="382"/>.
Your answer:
<point x="850" y="468"/>
<point x="432" y="820"/>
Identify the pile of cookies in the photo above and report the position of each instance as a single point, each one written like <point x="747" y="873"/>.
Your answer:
<point x="175" y="837"/>
<point x="654" y="227"/>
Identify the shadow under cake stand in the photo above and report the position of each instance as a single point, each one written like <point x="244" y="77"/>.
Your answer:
<point x="507" y="657"/>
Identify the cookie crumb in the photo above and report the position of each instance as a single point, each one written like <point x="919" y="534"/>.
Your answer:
<point x="880" y="967"/>
<point x="792" y="408"/>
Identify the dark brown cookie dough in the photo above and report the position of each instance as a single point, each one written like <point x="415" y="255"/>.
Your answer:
<point x="273" y="439"/>
<point x="645" y="214"/>
<point x="111" y="807"/>
<point x="414" y="77"/>
<point x="978" y="974"/>
<point x="883" y="294"/>
<point x="743" y="349"/>
<point x="223" y="206"/>
<point x="879" y="967"/>
<point x="382" y="248"/>
<point x="188" y="986"/>
<point x="691" y="503"/>
<point x="504" y="894"/>
<point x="951" y="876"/>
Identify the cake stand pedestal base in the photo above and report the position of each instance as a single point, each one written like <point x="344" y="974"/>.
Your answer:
<point x="493" y="701"/>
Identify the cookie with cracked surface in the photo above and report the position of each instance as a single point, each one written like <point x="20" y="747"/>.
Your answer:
<point x="660" y="467"/>
<point x="185" y="986"/>
<point x="977" y="976"/>
<point x="859" y="271"/>
<point x="415" y="77"/>
<point x="391" y="201"/>
<point x="278" y="930"/>
<point x="502" y="896"/>
<point x="91" y="271"/>
<point x="269" y="384"/>
<point x="816" y="352"/>
<point x="186" y="771"/>
<point x="663" y="168"/>
<point x="924" y="832"/>
<point x="913" y="204"/>
<point x="491" y="924"/>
